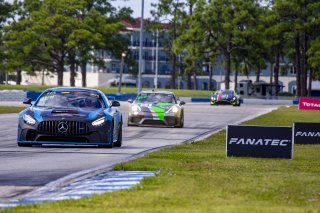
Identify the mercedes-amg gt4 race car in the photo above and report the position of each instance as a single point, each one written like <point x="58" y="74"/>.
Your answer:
<point x="225" y="97"/>
<point x="156" y="108"/>
<point x="71" y="116"/>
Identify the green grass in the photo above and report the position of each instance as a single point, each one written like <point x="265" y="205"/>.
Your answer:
<point x="198" y="177"/>
<point x="23" y="87"/>
<point x="10" y="109"/>
<point x="285" y="116"/>
<point x="180" y="93"/>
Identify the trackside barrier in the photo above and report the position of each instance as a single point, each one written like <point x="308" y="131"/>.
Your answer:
<point x="33" y="95"/>
<point x="206" y="100"/>
<point x="200" y="100"/>
<point x="254" y="101"/>
<point x="295" y="102"/>
<point x="122" y="96"/>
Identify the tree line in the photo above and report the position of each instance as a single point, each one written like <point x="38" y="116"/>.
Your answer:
<point x="52" y="34"/>
<point x="246" y="35"/>
<point x="241" y="35"/>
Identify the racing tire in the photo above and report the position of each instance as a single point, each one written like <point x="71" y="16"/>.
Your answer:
<point x="181" y="122"/>
<point x="118" y="143"/>
<point x="24" y="144"/>
<point x="111" y="139"/>
<point x="237" y="104"/>
<point x="128" y="123"/>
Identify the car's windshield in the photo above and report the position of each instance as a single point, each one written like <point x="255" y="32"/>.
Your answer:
<point x="155" y="97"/>
<point x="227" y="92"/>
<point x="71" y="99"/>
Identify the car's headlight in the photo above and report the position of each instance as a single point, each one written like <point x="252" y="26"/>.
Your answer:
<point x="29" y="120"/>
<point x="135" y="108"/>
<point x="98" y="122"/>
<point x="174" y="109"/>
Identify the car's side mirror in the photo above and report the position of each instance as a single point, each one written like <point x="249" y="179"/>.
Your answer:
<point x="27" y="101"/>
<point x="115" y="103"/>
<point x="182" y="103"/>
<point x="130" y="101"/>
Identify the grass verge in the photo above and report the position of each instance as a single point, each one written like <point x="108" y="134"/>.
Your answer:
<point x="198" y="178"/>
<point x="180" y="93"/>
<point x="10" y="109"/>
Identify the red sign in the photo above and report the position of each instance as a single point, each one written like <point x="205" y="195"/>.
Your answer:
<point x="309" y="103"/>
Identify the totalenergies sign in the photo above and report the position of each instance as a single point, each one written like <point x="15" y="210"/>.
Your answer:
<point x="309" y="103"/>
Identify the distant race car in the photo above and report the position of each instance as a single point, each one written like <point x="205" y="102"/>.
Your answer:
<point x="156" y="108"/>
<point x="225" y="97"/>
<point x="71" y="116"/>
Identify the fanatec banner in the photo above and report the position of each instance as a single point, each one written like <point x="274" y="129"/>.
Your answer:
<point x="259" y="141"/>
<point x="306" y="133"/>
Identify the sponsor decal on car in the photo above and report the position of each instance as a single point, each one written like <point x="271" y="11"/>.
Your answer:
<point x="157" y="110"/>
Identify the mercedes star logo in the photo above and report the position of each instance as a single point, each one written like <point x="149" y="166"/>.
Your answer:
<point x="63" y="127"/>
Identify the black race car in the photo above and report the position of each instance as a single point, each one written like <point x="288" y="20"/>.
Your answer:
<point x="71" y="116"/>
<point x="225" y="97"/>
<point x="156" y="108"/>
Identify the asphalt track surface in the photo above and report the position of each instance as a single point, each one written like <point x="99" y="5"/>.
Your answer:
<point x="23" y="169"/>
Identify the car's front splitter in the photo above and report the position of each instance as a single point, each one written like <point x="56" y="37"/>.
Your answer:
<point x="222" y="102"/>
<point x="62" y="143"/>
<point x="141" y="119"/>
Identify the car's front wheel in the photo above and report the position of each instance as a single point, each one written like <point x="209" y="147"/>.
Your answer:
<point x="110" y="138"/>
<point x="128" y="123"/>
<point x="118" y="143"/>
<point x="181" y="121"/>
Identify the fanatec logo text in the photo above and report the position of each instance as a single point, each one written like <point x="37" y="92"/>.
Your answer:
<point x="259" y="142"/>
<point x="308" y="134"/>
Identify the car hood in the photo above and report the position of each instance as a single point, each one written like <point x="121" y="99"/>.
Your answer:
<point x="73" y="113"/>
<point x="159" y="107"/>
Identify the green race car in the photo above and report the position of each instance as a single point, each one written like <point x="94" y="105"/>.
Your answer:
<point x="156" y="108"/>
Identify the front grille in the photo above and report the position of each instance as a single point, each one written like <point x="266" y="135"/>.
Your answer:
<point x="63" y="127"/>
<point x="63" y="139"/>
<point x="153" y="122"/>
<point x="171" y="121"/>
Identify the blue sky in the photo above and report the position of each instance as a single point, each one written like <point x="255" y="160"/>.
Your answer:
<point x="136" y="6"/>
